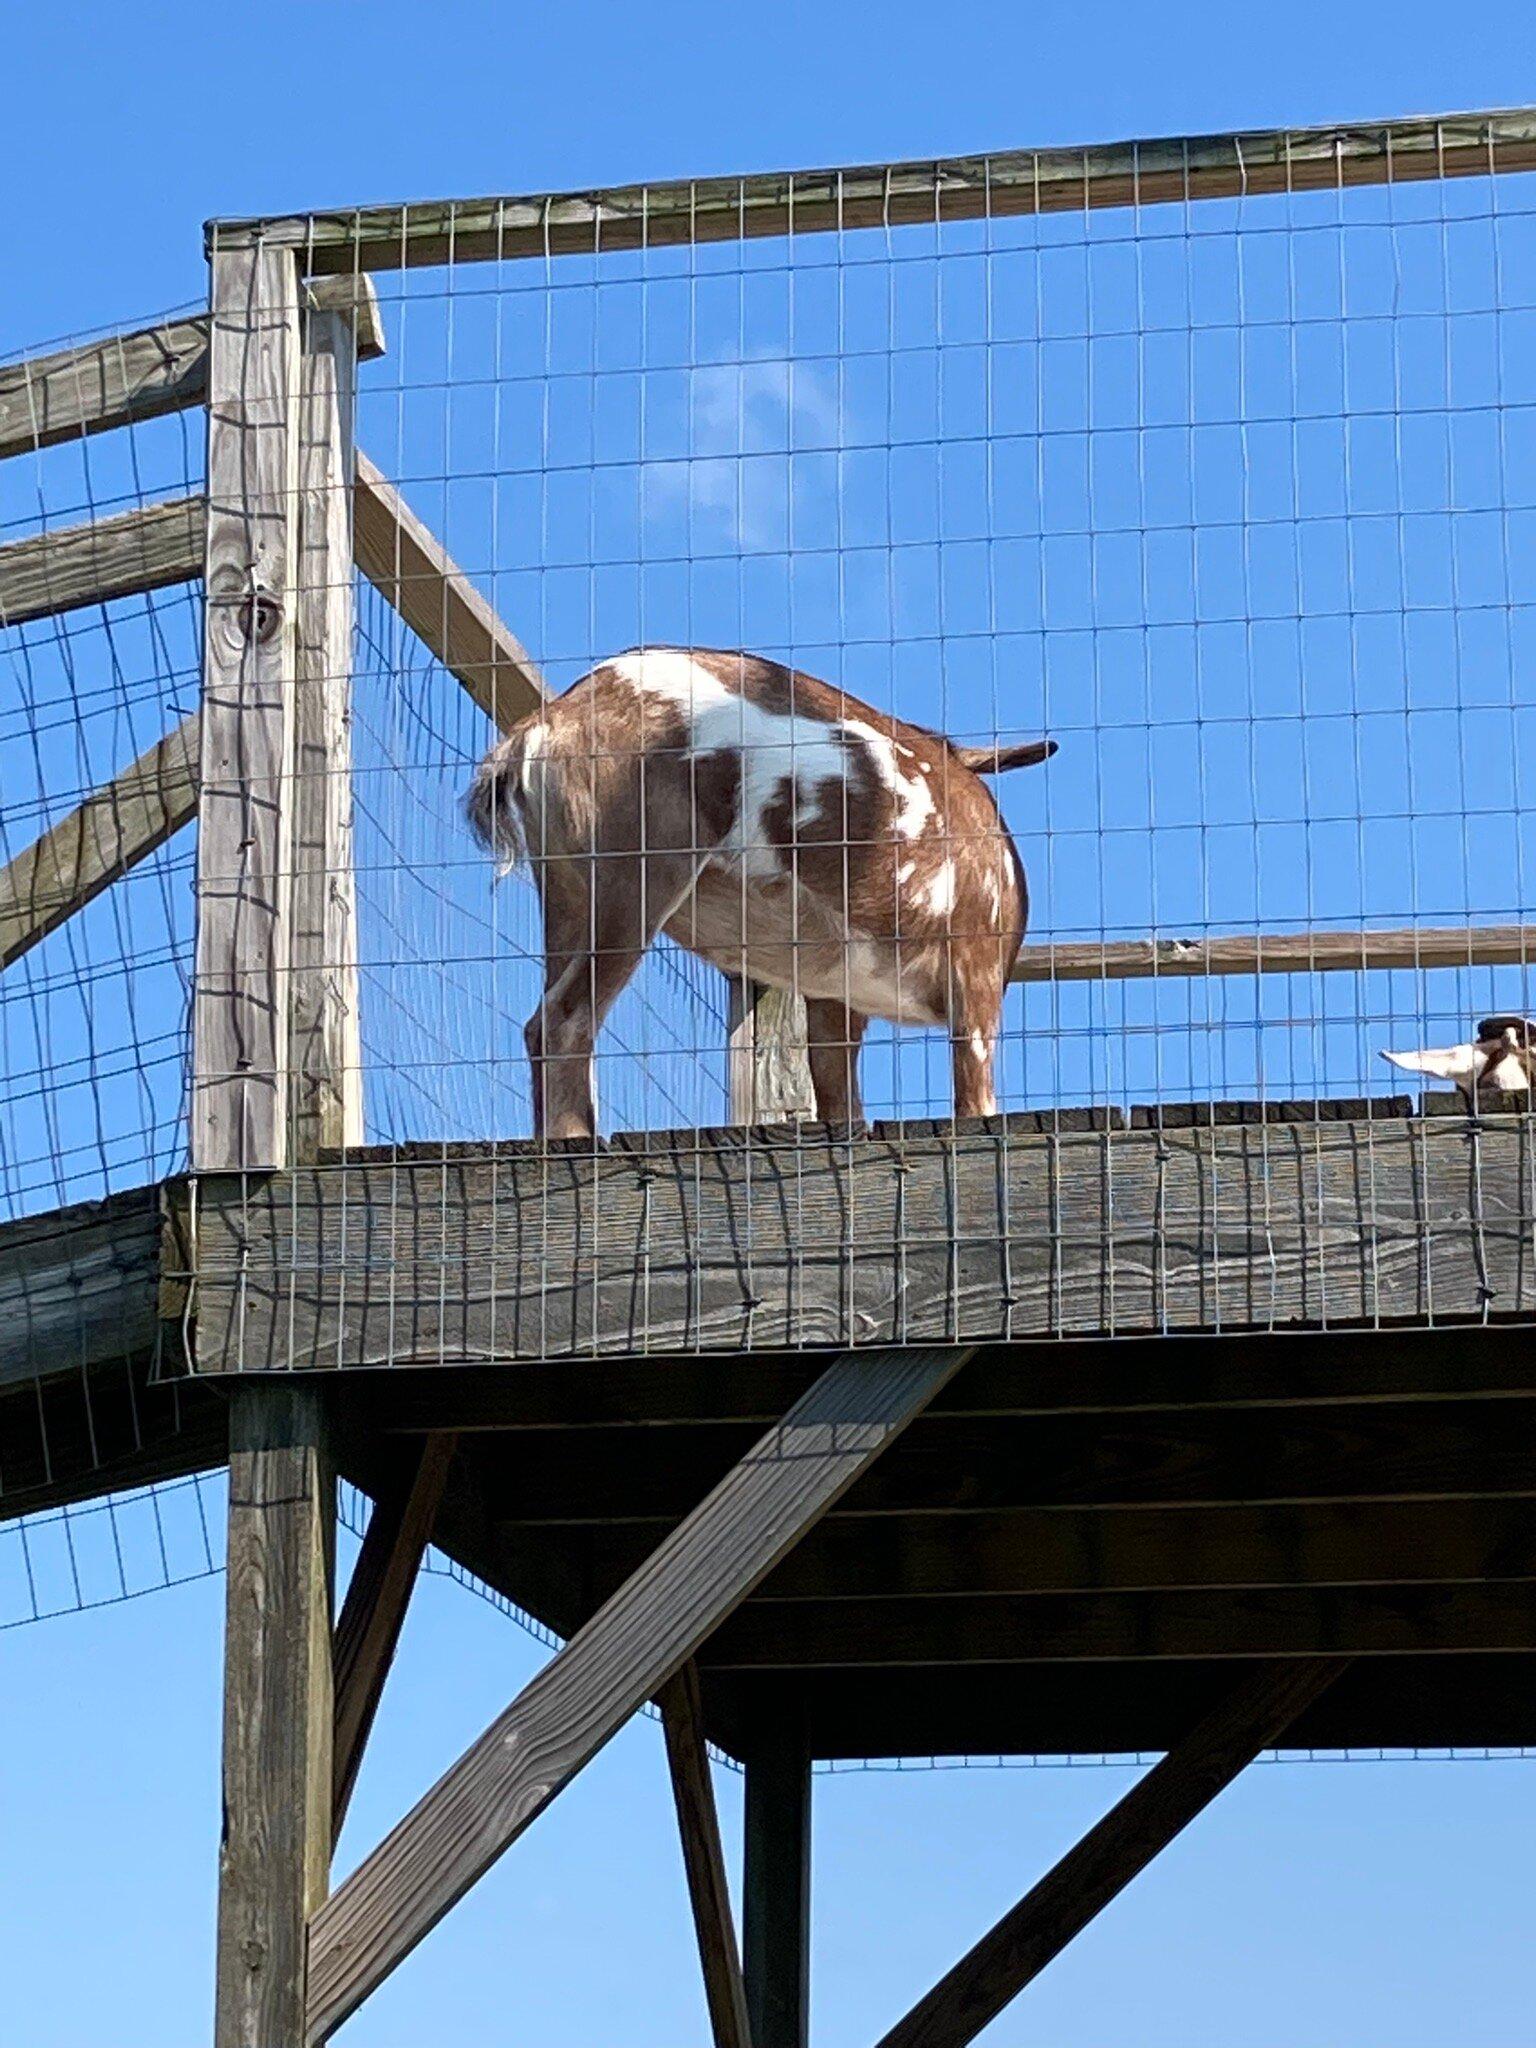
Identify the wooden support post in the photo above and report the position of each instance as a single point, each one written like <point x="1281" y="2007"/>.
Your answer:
<point x="1103" y="1863"/>
<point x="703" y="1860"/>
<point x="240" y="1046"/>
<point x="399" y="1530"/>
<point x="274" y="1859"/>
<point x="769" y="1076"/>
<point x="325" y="1049"/>
<point x="622" y="1657"/>
<point x="778" y="1895"/>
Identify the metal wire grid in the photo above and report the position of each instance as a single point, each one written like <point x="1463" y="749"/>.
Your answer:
<point x="1227" y="497"/>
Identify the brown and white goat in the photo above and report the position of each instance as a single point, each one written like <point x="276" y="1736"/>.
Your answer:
<point x="778" y="828"/>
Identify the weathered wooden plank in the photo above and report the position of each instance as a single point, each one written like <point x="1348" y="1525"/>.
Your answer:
<point x="1114" y="1851"/>
<point x="768" y="1073"/>
<point x="1131" y="1550"/>
<point x="274" y="1857"/>
<point x="1164" y="170"/>
<point x="373" y="1613"/>
<point x="777" y="1893"/>
<point x="703" y="1858"/>
<point x="112" y="831"/>
<point x="1414" y="948"/>
<point x="1045" y="1628"/>
<point x="409" y="566"/>
<point x="622" y="1657"/>
<point x="143" y="375"/>
<point x="987" y="1235"/>
<point x="325" y="1107"/>
<point x="124" y="555"/>
<point x="79" y="1286"/>
<point x="240" y="1049"/>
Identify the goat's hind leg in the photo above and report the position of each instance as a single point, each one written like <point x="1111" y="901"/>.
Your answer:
<point x="833" y="1035"/>
<point x="600" y="915"/>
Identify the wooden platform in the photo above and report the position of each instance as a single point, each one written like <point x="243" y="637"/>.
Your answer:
<point x="1070" y="1551"/>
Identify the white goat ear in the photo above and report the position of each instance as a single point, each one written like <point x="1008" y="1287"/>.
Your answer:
<point x="1459" y="1063"/>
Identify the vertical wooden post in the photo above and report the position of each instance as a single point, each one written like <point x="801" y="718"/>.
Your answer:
<point x="777" y="1896"/>
<point x="274" y="1857"/>
<point x="698" y="1824"/>
<point x="769" y="1075"/>
<point x="240" y="1048"/>
<point x="325" y="1056"/>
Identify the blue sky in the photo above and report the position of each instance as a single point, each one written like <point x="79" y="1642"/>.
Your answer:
<point x="1378" y="1904"/>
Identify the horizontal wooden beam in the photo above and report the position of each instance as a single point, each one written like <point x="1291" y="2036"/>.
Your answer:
<point x="1046" y="1628"/>
<point x="863" y="1558"/>
<point x="1113" y="1852"/>
<point x="141" y="376"/>
<point x="79" y="1286"/>
<point x="123" y="556"/>
<point x="1412" y="948"/>
<point x="621" y="1658"/>
<point x="112" y="831"/>
<point x="410" y="567"/>
<point x="1163" y="171"/>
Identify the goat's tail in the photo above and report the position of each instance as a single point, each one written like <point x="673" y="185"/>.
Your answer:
<point x="998" y="760"/>
<point x="496" y="804"/>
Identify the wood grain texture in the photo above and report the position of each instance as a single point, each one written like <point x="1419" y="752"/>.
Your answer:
<point x="373" y="1613"/>
<point x="1113" y="1852"/>
<point x="769" y="1077"/>
<point x="79" y="1286"/>
<point x="410" y="567"/>
<point x="274" y="1858"/>
<point x="325" y="1106"/>
<point x="124" y="555"/>
<point x="145" y="374"/>
<point x="250" y="657"/>
<point x="750" y="1241"/>
<point x="1163" y="170"/>
<point x="1414" y="948"/>
<point x="1104" y="1628"/>
<point x="777" y="1891"/>
<point x="682" y="1720"/>
<point x="621" y="1658"/>
<point x="112" y="831"/>
<point x="102" y="384"/>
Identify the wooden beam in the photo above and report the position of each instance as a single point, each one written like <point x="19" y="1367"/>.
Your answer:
<point x="1164" y="170"/>
<point x="240" y="1050"/>
<point x="1414" y="948"/>
<point x="143" y="375"/>
<point x="1138" y="1550"/>
<point x="769" y="1076"/>
<point x="112" y="831"/>
<point x="412" y="569"/>
<point x="1122" y="1844"/>
<point x="399" y="1530"/>
<point x="777" y="1890"/>
<point x="325" y="1106"/>
<point x="122" y="556"/>
<point x="621" y="1658"/>
<point x="274" y="1858"/>
<point x="1212" y="1623"/>
<point x="703" y="1859"/>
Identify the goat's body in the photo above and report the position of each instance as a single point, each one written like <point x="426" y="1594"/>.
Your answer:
<point x="776" y="827"/>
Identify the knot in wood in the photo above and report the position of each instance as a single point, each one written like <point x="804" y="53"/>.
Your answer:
<point x="259" y="613"/>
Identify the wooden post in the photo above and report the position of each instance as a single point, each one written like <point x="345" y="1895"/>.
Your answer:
<point x="240" y="1048"/>
<point x="1112" y="1852"/>
<point x="699" y="1825"/>
<point x="769" y="1076"/>
<point x="325" y="1053"/>
<point x="274" y="1859"/>
<point x="777" y="1892"/>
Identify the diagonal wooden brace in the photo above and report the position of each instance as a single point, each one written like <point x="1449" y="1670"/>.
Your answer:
<point x="708" y="1891"/>
<point x="1112" y="1852"/>
<point x="622" y="1657"/>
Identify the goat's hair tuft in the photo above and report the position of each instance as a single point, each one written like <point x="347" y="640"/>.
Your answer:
<point x="492" y="806"/>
